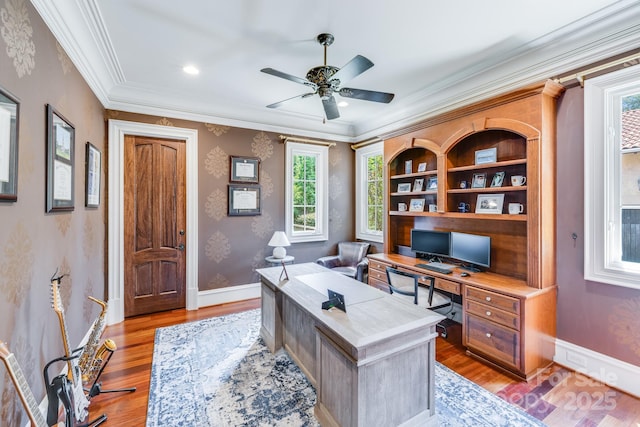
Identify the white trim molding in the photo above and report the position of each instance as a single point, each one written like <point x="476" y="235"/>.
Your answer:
<point x="605" y="369"/>
<point x="229" y="294"/>
<point x="117" y="131"/>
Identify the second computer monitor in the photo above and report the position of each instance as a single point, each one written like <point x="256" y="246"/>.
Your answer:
<point x="473" y="249"/>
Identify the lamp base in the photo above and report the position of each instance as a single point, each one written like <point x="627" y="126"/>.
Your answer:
<point x="279" y="252"/>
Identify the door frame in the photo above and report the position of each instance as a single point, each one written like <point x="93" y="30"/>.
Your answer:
<point x="117" y="131"/>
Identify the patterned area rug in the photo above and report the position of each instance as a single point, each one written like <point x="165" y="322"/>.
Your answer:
<point x="218" y="372"/>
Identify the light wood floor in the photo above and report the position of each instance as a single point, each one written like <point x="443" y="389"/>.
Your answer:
<point x="559" y="397"/>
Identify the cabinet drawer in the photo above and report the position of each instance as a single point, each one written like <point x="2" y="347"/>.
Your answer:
<point x="377" y="274"/>
<point x="494" y="314"/>
<point x="379" y="284"/>
<point x="503" y="302"/>
<point x="377" y="265"/>
<point x="448" y="286"/>
<point x="498" y="342"/>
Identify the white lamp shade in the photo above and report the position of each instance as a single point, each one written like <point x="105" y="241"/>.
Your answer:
<point x="279" y="240"/>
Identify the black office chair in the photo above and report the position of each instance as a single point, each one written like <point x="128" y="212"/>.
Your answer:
<point x="407" y="286"/>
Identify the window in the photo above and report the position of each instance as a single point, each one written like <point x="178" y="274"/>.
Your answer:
<point x="369" y="193"/>
<point x="306" y="205"/>
<point x="612" y="178"/>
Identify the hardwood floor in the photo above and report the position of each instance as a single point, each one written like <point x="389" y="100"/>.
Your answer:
<point x="559" y="397"/>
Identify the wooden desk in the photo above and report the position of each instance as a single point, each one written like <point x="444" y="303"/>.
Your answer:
<point x="504" y="322"/>
<point x="373" y="365"/>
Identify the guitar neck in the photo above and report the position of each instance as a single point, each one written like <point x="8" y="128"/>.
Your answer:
<point x="21" y="385"/>
<point x="59" y="309"/>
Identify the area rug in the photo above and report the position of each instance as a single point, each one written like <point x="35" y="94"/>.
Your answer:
<point x="218" y="372"/>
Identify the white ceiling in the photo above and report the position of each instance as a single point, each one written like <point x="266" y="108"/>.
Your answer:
<point x="433" y="55"/>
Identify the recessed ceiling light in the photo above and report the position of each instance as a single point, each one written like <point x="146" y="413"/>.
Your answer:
<point x="343" y="104"/>
<point x="191" y="69"/>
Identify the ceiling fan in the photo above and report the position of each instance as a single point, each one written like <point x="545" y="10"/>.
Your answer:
<point x="325" y="80"/>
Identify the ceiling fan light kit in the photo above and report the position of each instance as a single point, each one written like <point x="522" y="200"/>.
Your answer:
<point x="325" y="80"/>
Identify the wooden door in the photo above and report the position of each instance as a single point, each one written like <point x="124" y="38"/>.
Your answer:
<point x="154" y="225"/>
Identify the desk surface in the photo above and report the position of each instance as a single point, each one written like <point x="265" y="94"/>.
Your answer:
<point x="371" y="316"/>
<point x="486" y="280"/>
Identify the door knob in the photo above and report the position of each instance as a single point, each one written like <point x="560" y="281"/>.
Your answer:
<point x="180" y="247"/>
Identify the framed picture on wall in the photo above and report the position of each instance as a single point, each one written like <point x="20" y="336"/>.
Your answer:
<point x="61" y="136"/>
<point x="9" y="125"/>
<point x="92" y="176"/>
<point x="244" y="169"/>
<point x="244" y="200"/>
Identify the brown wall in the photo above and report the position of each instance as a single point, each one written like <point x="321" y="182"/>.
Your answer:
<point x="232" y="247"/>
<point x="32" y="243"/>
<point x="597" y="316"/>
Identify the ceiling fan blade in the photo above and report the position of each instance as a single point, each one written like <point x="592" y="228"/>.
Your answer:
<point x="330" y="108"/>
<point x="358" y="65"/>
<point x="287" y="76"/>
<point x="279" y="104"/>
<point x="366" y="95"/>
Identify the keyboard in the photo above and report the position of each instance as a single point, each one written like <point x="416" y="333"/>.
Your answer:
<point x="438" y="267"/>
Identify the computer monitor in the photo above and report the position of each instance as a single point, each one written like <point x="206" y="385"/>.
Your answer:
<point x="471" y="248"/>
<point x="430" y="242"/>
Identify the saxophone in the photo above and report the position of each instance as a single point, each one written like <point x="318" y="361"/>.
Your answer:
<point x="93" y="357"/>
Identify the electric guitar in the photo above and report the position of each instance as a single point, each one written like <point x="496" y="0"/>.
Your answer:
<point x="21" y="385"/>
<point x="80" y="402"/>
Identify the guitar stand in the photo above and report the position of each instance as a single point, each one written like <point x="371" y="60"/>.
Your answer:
<point x="96" y="387"/>
<point x="54" y="388"/>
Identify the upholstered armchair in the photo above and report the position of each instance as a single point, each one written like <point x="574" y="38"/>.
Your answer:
<point x="350" y="261"/>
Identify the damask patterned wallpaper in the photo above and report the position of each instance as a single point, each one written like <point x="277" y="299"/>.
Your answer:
<point x="33" y="244"/>
<point x="232" y="247"/>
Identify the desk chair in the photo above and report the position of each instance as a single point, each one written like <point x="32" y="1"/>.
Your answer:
<point x="406" y="286"/>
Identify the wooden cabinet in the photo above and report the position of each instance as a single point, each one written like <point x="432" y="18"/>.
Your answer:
<point x="491" y="141"/>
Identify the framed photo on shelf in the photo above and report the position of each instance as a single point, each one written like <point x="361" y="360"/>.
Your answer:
<point x="479" y="180"/>
<point x="60" y="160"/>
<point x="498" y="179"/>
<point x="422" y="167"/>
<point x="244" y="200"/>
<point x="490" y="155"/>
<point x="9" y="125"/>
<point x="408" y="166"/>
<point x="417" y="184"/>
<point x="92" y="176"/>
<point x="402" y="207"/>
<point x="432" y="184"/>
<point x="489" y="203"/>
<point x="244" y="169"/>
<point x="404" y="187"/>
<point x="416" y="205"/>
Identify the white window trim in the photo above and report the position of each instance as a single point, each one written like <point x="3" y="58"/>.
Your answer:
<point x="362" y="155"/>
<point x="602" y="204"/>
<point x="322" y="195"/>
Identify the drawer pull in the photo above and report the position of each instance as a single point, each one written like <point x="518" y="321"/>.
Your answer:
<point x="488" y="313"/>
<point x="488" y="298"/>
<point x="488" y="335"/>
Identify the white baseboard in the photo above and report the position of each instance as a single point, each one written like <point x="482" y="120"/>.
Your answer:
<point x="230" y="294"/>
<point x="613" y="372"/>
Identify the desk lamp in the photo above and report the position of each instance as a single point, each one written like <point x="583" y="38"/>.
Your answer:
<point x="279" y="241"/>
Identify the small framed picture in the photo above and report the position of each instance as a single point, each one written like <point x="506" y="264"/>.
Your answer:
<point x="244" y="169"/>
<point x="404" y="187"/>
<point x="92" y="176"/>
<point x="490" y="203"/>
<point x="432" y="184"/>
<point x="417" y="184"/>
<point x="498" y="179"/>
<point x="490" y="155"/>
<point x="402" y="207"/>
<point x="422" y="167"/>
<point x="244" y="200"/>
<point x="479" y="180"/>
<point x="416" y="205"/>
<point x="408" y="166"/>
<point x="60" y="162"/>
